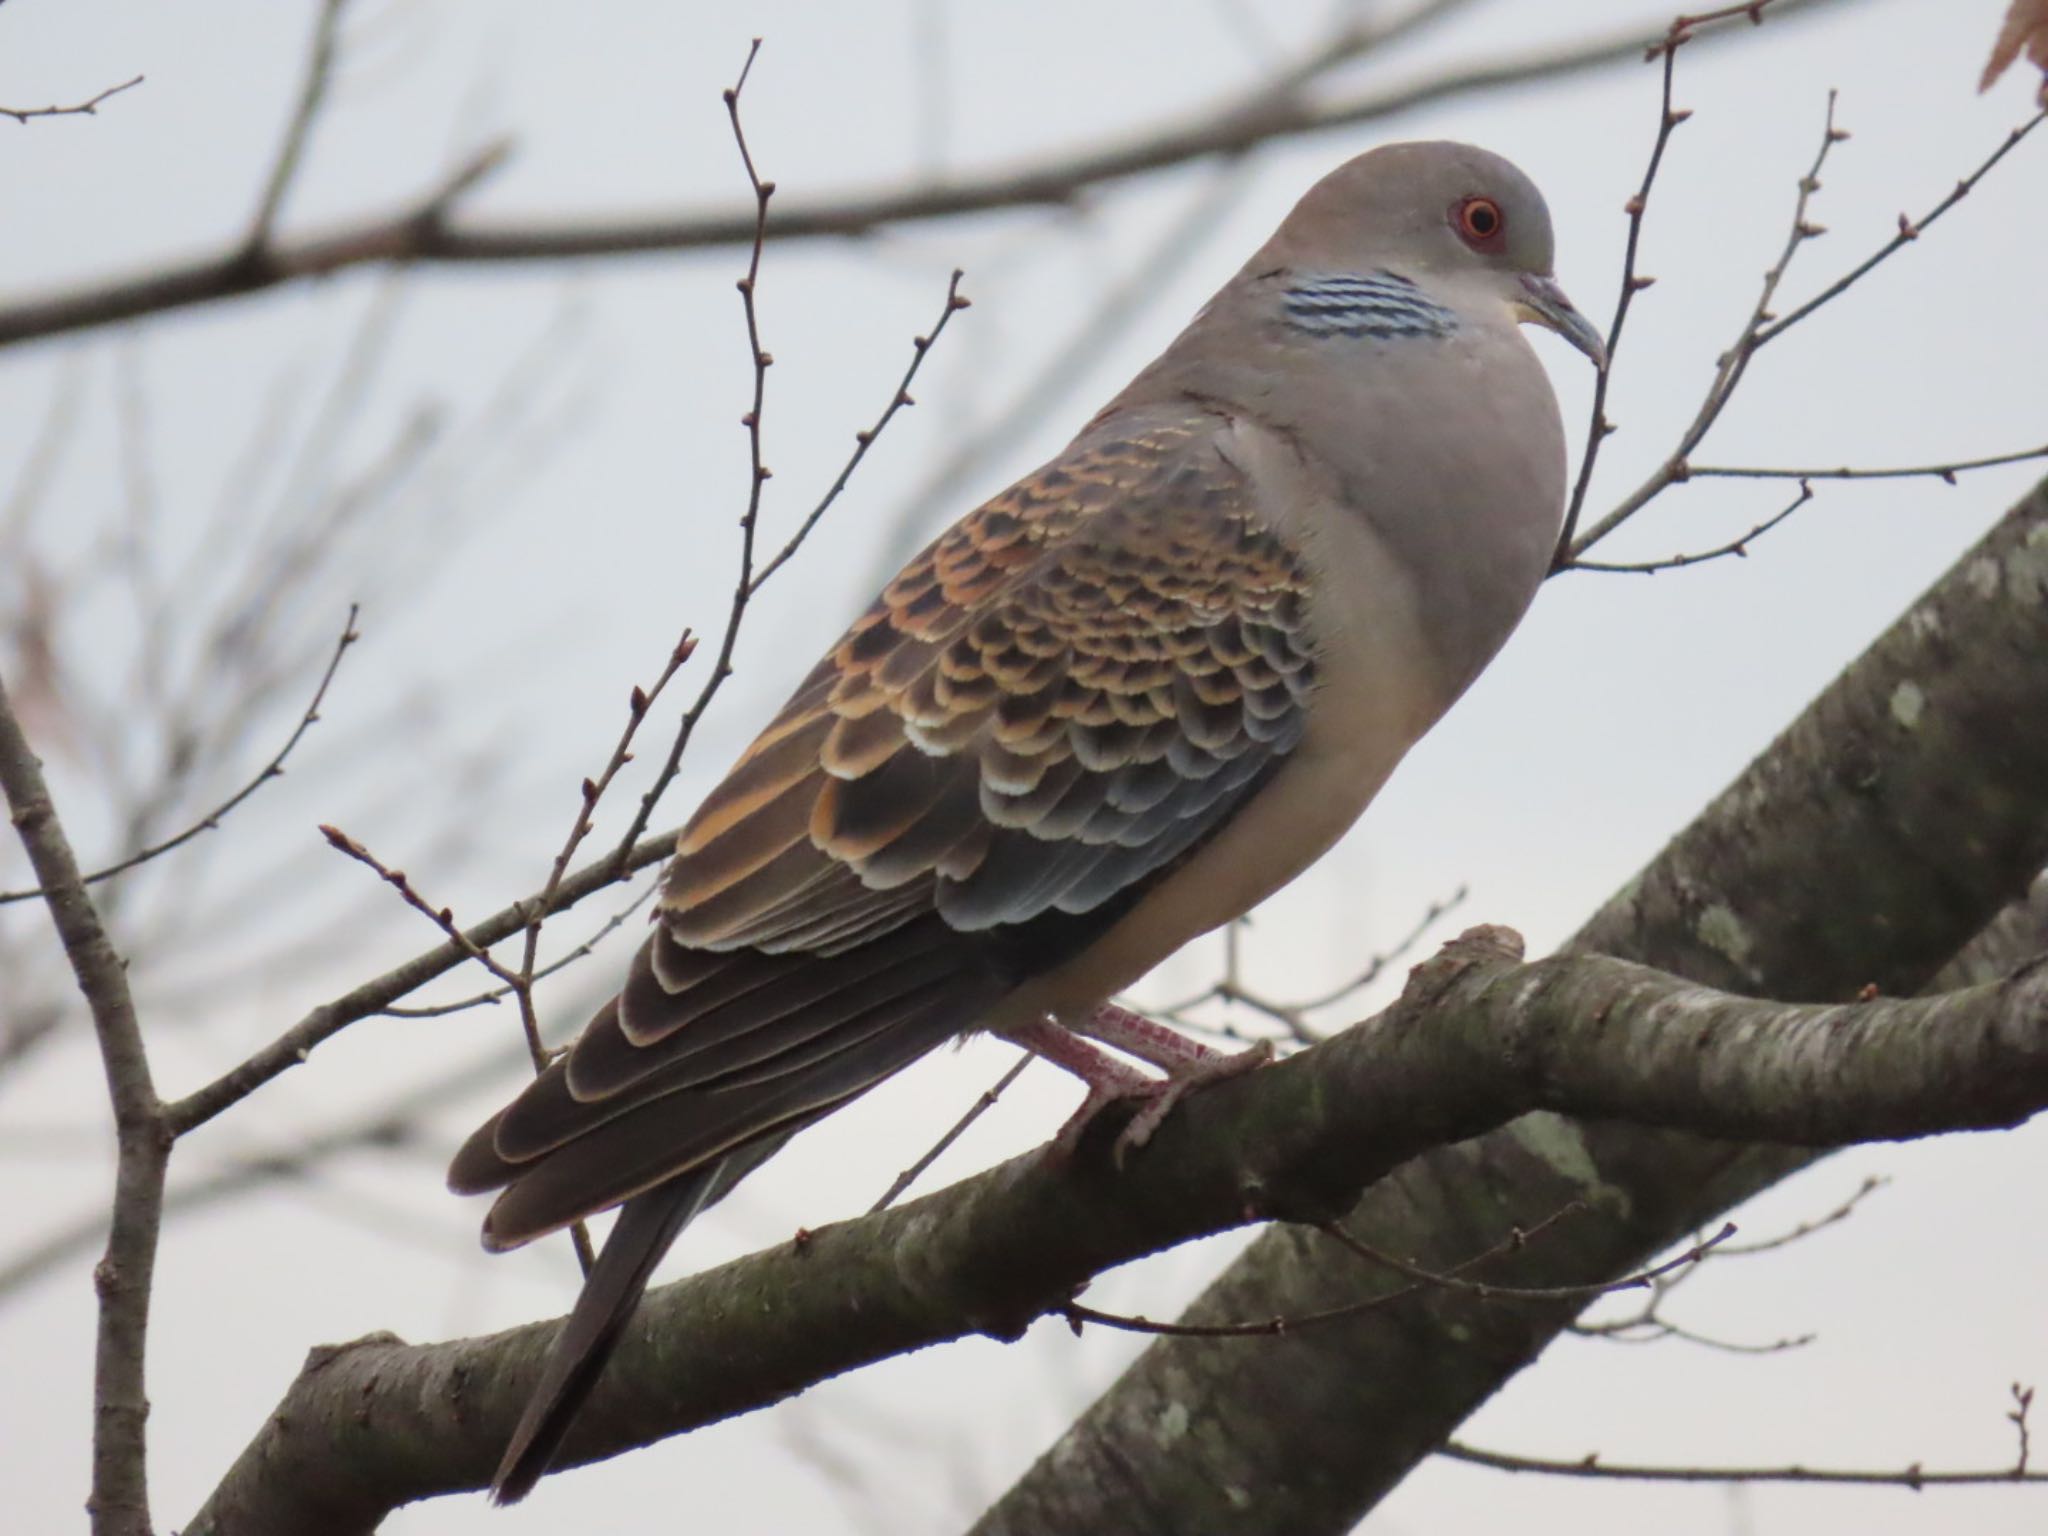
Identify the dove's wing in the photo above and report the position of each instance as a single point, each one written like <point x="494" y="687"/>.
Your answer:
<point x="1053" y="704"/>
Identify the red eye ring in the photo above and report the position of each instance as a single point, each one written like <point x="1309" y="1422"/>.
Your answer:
<point x="1480" y="222"/>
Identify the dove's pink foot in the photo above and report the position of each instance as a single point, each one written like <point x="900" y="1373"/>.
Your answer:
<point x="1187" y="1065"/>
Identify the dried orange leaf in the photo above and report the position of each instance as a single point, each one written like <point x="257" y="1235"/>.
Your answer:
<point x="2026" y="27"/>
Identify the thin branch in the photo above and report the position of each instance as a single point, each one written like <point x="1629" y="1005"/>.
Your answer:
<point x="495" y="995"/>
<point x="396" y="1122"/>
<point x="1909" y="231"/>
<point x="291" y="152"/>
<point x="1641" y="1280"/>
<point x="1228" y="128"/>
<point x="1738" y="546"/>
<point x="593" y="790"/>
<point x="120" y="1472"/>
<point x="1293" y="1016"/>
<point x="441" y="917"/>
<point x="1598" y="427"/>
<point x="1734" y="363"/>
<point x="1381" y="960"/>
<point x="864" y="439"/>
<point x="1915" y="1477"/>
<point x="88" y="108"/>
<point x="932" y="1154"/>
<point x="1683" y="27"/>
<point x="1944" y="472"/>
<point x="760" y="360"/>
<point x="2022" y="1405"/>
<point x="1115" y="312"/>
<point x="1805" y="1229"/>
<point x="1277" y="1327"/>
<point x="296" y="1044"/>
<point x="751" y="579"/>
<point x="270" y="770"/>
<point x="1764" y="327"/>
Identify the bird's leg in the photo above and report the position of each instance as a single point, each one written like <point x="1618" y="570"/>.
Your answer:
<point x="1109" y="1080"/>
<point x="1188" y="1064"/>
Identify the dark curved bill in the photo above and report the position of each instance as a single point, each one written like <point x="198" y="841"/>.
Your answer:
<point x="1547" y="306"/>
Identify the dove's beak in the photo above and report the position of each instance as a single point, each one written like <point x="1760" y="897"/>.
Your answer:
<point x="1544" y="303"/>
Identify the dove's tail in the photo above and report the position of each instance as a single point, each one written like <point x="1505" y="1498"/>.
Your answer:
<point x="647" y="1225"/>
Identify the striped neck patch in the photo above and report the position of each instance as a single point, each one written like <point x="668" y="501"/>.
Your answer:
<point x="1382" y="306"/>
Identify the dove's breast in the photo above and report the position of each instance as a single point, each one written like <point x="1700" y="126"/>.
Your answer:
<point x="1378" y="688"/>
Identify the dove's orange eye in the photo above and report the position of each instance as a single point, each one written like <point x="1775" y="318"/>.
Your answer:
<point x="1479" y="221"/>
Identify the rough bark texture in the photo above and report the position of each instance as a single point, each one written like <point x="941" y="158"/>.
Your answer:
<point x="1866" y="845"/>
<point x="1911" y="800"/>
<point x="1476" y="1038"/>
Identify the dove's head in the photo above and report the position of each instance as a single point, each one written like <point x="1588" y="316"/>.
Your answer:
<point x="1459" y="222"/>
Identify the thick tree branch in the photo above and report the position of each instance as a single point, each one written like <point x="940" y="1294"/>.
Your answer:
<point x="120" y="1471"/>
<point x="1477" y="1038"/>
<point x="1867" y="844"/>
<point x="424" y="234"/>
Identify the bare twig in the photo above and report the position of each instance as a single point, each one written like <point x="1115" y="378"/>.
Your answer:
<point x="1915" y="1477"/>
<point x="492" y="996"/>
<point x="1909" y="231"/>
<point x="1804" y="1229"/>
<point x="86" y="108"/>
<point x="270" y="770"/>
<point x="981" y="1106"/>
<point x="1733" y="363"/>
<point x="1117" y="310"/>
<point x="1684" y="27"/>
<point x="296" y="1044"/>
<point x="1377" y="966"/>
<point x="120" y="1477"/>
<point x="593" y="790"/>
<point x="1293" y="1016"/>
<point x="750" y="579"/>
<point x="1648" y="1328"/>
<point x="2022" y="1405"/>
<point x="864" y="439"/>
<point x="760" y="360"/>
<point x="1944" y="472"/>
<point x="1763" y="327"/>
<point x="1274" y="1327"/>
<point x="1226" y="128"/>
<point x="1648" y="1325"/>
<point x="1640" y="1280"/>
<point x="441" y="917"/>
<point x="397" y="1122"/>
<point x="1737" y="546"/>
<point x="292" y="150"/>
<point x="1632" y="283"/>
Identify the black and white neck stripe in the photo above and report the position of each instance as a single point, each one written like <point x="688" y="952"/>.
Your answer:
<point x="1381" y="305"/>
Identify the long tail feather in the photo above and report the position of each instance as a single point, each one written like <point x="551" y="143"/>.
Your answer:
<point x="647" y="1225"/>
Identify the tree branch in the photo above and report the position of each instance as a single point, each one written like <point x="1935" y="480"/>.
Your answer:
<point x="120" y="1469"/>
<point x="305" y="110"/>
<point x="417" y="235"/>
<point x="1915" y="1477"/>
<point x="87" y="108"/>
<point x="272" y="769"/>
<point x="1867" y="844"/>
<point x="1477" y="1038"/>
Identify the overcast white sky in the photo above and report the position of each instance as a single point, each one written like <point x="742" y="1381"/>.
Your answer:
<point x="1622" y="705"/>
